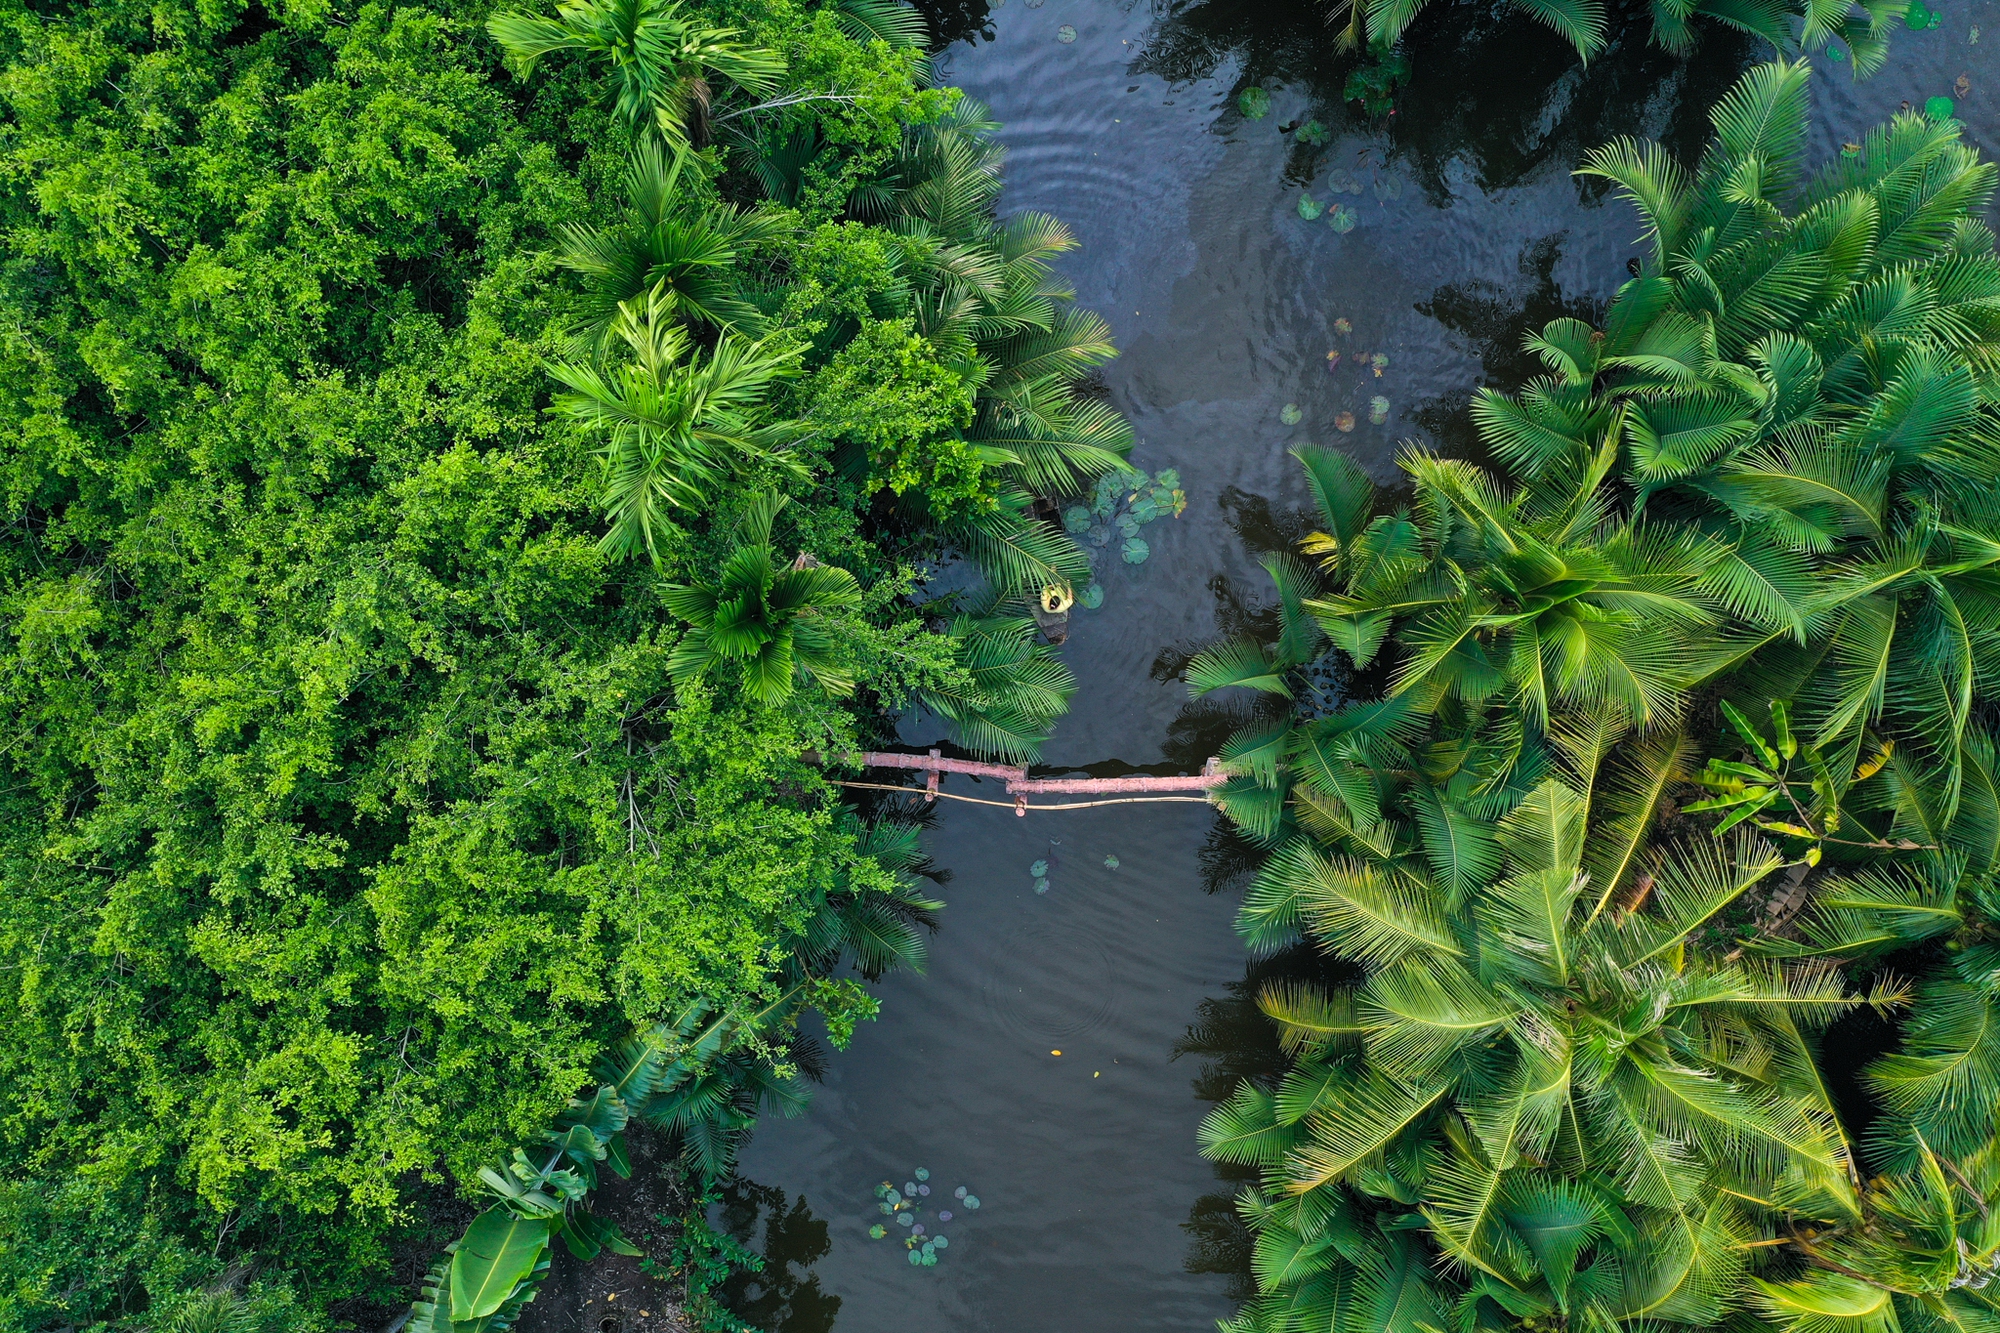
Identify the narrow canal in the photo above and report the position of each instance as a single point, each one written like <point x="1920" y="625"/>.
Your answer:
<point x="1466" y="229"/>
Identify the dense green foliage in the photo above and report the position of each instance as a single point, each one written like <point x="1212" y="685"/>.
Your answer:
<point x="360" y="789"/>
<point x="1579" y="1083"/>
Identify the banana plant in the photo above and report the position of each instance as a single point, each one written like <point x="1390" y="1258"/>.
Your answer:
<point x="1793" y="778"/>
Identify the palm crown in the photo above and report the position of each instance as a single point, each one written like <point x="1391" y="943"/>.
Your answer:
<point x="774" y="618"/>
<point x="659" y="58"/>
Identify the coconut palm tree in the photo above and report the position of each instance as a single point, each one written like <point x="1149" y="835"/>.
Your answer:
<point x="1538" y="598"/>
<point x="1803" y="372"/>
<point x="1010" y="691"/>
<point x="676" y="424"/>
<point x="660" y="58"/>
<point x="776" y="618"/>
<point x="1575" y="1091"/>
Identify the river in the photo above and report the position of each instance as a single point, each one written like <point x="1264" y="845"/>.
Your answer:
<point x="1096" y="1213"/>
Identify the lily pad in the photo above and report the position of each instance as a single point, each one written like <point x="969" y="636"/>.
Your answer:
<point x="1310" y="208"/>
<point x="906" y="1219"/>
<point x="927" y="1260"/>
<point x="917" y="1230"/>
<point x="909" y="1189"/>
<point x="1940" y="108"/>
<point x="958" y="1193"/>
<point x="929" y="1249"/>
<point x="916" y="1258"/>
<point x="1091" y="597"/>
<point x="1389" y="188"/>
<point x="1380" y="360"/>
<point x="877" y="1231"/>
<point x="942" y="1242"/>
<point x="1099" y="535"/>
<point x="1038" y="869"/>
<point x="1254" y="103"/>
<point x="1041" y="886"/>
<point x="1343" y="218"/>
<point x="1378" y="409"/>
<point x="1128" y="525"/>
<point x="972" y="1201"/>
<point x="1168" y="477"/>
<point x="1291" y="415"/>
<point x="944" y="1215"/>
<point x="1146" y="511"/>
<point x="886" y="1207"/>
<point x="1135" y="551"/>
<point x="1343" y="326"/>
<point x="921" y="1174"/>
<point x="1076" y="519"/>
<point x="1065" y="34"/>
<point x="924" y="1190"/>
<point x="1344" y="422"/>
<point x="1314" y="133"/>
<point x="1110" y="863"/>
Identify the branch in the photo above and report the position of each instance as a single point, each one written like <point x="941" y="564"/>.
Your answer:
<point x="789" y="99"/>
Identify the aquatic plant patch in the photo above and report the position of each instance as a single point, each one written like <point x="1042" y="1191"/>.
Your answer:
<point x="1123" y="503"/>
<point x="910" y="1214"/>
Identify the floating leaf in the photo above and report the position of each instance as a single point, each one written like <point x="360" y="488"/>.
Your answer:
<point x="1041" y="886"/>
<point x="924" y="1190"/>
<point x="916" y="1259"/>
<point x="1344" y="422"/>
<point x="1145" y="511"/>
<point x="1342" y="327"/>
<point x="944" y="1215"/>
<point x="1161" y="494"/>
<point x="1110" y="863"/>
<point x="906" y="1219"/>
<point x="1135" y="551"/>
<point x="909" y="1189"/>
<point x="1310" y="208"/>
<point x="1343" y="182"/>
<point x="1065" y="34"/>
<point x="1392" y="188"/>
<point x="1076" y="519"/>
<point x="1038" y="869"/>
<point x="1378" y="410"/>
<point x="886" y="1207"/>
<point x="1167" y="477"/>
<point x="1254" y="103"/>
<point x="1291" y="415"/>
<point x="921" y="1174"/>
<point x="942" y="1242"/>
<point x="1314" y="133"/>
<point x="1343" y="218"/>
<point x="1092" y="597"/>
<point x="877" y="1231"/>
<point x="958" y="1193"/>
<point x="1380" y="360"/>
<point x="1100" y="535"/>
<point x="1940" y="108"/>
<point x="927" y="1260"/>
<point x="917" y="1230"/>
<point x="929" y="1250"/>
<point x="972" y="1201"/>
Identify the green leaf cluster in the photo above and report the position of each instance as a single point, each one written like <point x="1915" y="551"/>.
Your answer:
<point x="1579" y="1081"/>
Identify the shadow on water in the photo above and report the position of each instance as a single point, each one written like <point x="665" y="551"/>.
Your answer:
<point x="1235" y="1042"/>
<point x="1495" y="317"/>
<point x="1548" y="108"/>
<point x="785" y="1295"/>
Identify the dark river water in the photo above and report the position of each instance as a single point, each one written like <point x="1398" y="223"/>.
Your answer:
<point x="1096" y="1213"/>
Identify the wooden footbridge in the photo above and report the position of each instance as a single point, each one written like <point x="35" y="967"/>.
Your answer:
<point x="1116" y="791"/>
